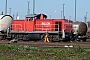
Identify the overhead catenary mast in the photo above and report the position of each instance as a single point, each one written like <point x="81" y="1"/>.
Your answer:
<point x="75" y="10"/>
<point x="10" y="11"/>
<point x="13" y="16"/>
<point x="63" y="11"/>
<point x="28" y="8"/>
<point x="61" y="14"/>
<point x="86" y="16"/>
<point x="6" y="7"/>
<point x="33" y="6"/>
<point x="17" y="16"/>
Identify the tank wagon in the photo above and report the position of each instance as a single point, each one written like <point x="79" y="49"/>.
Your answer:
<point x="79" y="30"/>
<point x="34" y="27"/>
<point x="5" y="23"/>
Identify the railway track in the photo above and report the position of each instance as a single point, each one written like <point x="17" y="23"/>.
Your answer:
<point x="41" y="45"/>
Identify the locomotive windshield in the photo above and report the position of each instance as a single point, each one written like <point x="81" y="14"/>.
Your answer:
<point x="31" y="18"/>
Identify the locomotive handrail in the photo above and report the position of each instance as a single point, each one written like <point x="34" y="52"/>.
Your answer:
<point x="51" y="27"/>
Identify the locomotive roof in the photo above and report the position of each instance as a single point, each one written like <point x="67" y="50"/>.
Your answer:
<point x="31" y="15"/>
<point x="36" y="15"/>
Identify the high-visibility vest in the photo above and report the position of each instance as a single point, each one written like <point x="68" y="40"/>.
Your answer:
<point x="46" y="36"/>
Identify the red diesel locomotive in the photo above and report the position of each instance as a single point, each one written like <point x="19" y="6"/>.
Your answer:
<point x="35" y="26"/>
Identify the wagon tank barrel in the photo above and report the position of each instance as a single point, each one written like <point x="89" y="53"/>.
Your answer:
<point x="81" y="27"/>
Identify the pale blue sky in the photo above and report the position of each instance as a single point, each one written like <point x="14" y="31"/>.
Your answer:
<point x="49" y="7"/>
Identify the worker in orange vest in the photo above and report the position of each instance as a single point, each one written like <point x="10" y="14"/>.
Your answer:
<point x="46" y="38"/>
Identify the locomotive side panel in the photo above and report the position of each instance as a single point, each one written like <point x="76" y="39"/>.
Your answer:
<point x="44" y="25"/>
<point x="88" y="30"/>
<point x="64" y="25"/>
<point x="68" y="26"/>
<point x="23" y="25"/>
<point x="59" y="25"/>
<point x="18" y="25"/>
<point x="29" y="26"/>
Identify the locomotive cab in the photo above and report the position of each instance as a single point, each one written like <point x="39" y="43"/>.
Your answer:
<point x="30" y="17"/>
<point x="35" y="17"/>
